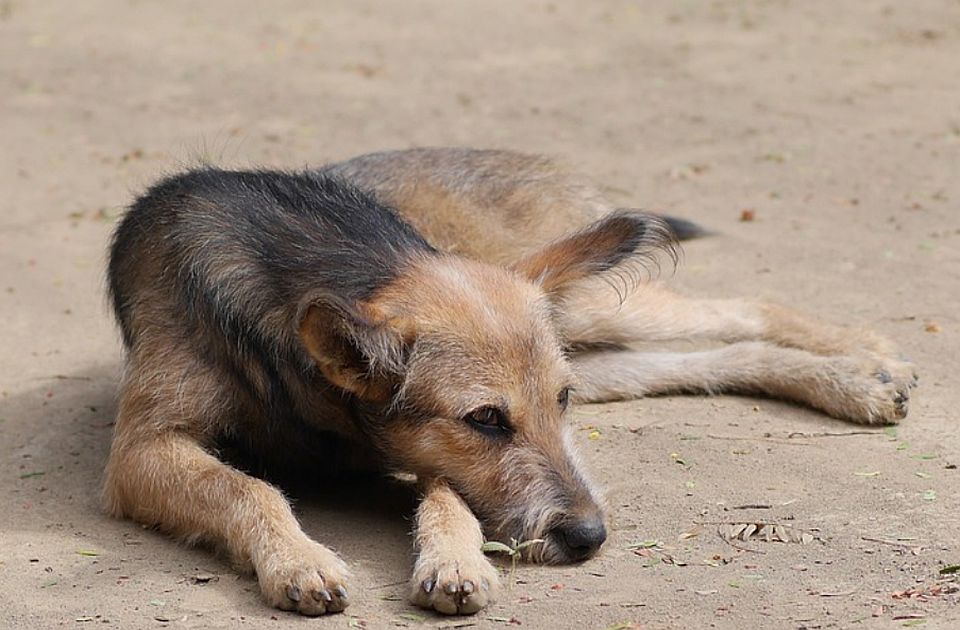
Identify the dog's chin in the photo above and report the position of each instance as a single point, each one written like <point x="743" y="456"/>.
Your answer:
<point x="553" y="551"/>
<point x="556" y="552"/>
<point x="531" y="549"/>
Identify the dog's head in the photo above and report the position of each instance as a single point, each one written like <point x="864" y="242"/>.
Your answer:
<point x="466" y="363"/>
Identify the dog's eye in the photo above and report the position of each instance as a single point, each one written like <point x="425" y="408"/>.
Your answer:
<point x="490" y="420"/>
<point x="563" y="398"/>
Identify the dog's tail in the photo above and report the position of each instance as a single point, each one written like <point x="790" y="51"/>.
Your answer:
<point x="683" y="229"/>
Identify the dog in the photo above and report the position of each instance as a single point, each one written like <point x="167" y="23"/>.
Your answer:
<point x="430" y="312"/>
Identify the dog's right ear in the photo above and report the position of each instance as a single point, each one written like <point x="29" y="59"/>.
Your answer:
<point x="617" y="238"/>
<point x="354" y="353"/>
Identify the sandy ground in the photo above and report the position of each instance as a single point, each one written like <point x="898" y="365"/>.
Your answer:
<point x="837" y="123"/>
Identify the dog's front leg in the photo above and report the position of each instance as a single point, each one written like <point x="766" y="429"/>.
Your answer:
<point x="170" y="481"/>
<point x="451" y="575"/>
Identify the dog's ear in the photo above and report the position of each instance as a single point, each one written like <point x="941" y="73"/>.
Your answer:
<point x="618" y="238"/>
<point x="353" y="352"/>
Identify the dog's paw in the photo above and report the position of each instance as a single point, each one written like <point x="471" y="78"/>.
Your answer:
<point x="900" y="372"/>
<point x="868" y="390"/>
<point x="305" y="577"/>
<point x="454" y="586"/>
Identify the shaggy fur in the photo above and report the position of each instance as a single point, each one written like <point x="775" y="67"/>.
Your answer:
<point x="429" y="312"/>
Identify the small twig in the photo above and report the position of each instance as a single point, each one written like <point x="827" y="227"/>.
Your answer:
<point x="752" y="506"/>
<point x="831" y="434"/>
<point x="884" y="541"/>
<point x="837" y="594"/>
<point x="754" y="522"/>
<point x="748" y="438"/>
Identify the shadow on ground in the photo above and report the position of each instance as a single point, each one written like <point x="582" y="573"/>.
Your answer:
<point x="57" y="438"/>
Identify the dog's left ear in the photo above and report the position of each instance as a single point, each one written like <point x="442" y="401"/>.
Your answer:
<point x="618" y="238"/>
<point x="351" y="350"/>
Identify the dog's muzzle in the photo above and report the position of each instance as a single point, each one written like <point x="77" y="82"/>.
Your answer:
<point x="578" y="540"/>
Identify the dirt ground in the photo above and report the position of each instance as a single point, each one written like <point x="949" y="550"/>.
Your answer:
<point x="836" y="123"/>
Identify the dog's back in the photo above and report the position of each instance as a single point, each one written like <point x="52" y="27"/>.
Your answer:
<point x="489" y="205"/>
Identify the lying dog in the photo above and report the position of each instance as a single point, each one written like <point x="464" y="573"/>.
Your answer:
<point x="432" y="312"/>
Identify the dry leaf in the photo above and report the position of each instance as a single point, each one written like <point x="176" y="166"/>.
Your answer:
<point x="693" y="532"/>
<point x="767" y="532"/>
<point x="781" y="533"/>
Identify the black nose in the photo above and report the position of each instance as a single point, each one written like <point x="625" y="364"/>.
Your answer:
<point x="581" y="539"/>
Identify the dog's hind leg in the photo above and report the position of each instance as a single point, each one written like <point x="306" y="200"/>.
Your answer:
<point x="847" y="387"/>
<point x="159" y="474"/>
<point x="592" y="312"/>
<point x="451" y="574"/>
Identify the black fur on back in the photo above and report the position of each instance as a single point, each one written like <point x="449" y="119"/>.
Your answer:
<point x="231" y="250"/>
<point x="219" y="264"/>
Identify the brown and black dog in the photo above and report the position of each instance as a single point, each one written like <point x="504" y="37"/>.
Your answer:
<point x="429" y="312"/>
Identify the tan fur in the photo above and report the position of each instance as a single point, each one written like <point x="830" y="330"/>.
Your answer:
<point x="451" y="574"/>
<point x="484" y="204"/>
<point x="872" y="387"/>
<point x="159" y="474"/>
<point x="511" y="315"/>
<point x="848" y="373"/>
<point x="842" y="386"/>
<point x="592" y="314"/>
<point x="476" y="353"/>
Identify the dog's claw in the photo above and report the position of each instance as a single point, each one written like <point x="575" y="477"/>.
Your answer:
<point x="871" y="389"/>
<point x="900" y="401"/>
<point x="305" y="578"/>
<point x="459" y="587"/>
